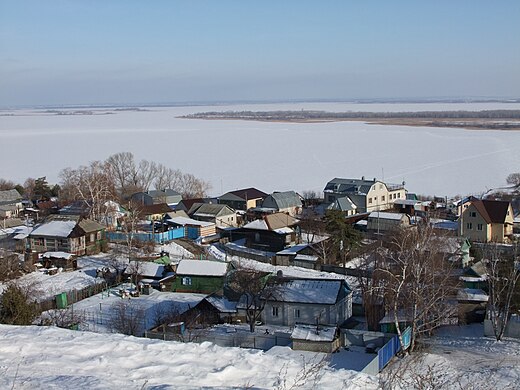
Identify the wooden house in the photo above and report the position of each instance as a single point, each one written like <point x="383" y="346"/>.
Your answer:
<point x="71" y="235"/>
<point x="220" y="214"/>
<point x="243" y="199"/>
<point x="200" y="276"/>
<point x="272" y="233"/>
<point x="64" y="260"/>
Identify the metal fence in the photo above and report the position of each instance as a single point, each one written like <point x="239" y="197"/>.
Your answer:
<point x="158" y="238"/>
<point x="390" y="349"/>
<point x="234" y="339"/>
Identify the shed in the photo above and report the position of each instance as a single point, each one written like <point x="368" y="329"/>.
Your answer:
<point x="315" y="338"/>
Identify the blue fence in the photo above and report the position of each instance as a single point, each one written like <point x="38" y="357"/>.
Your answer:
<point x="155" y="237"/>
<point x="393" y="346"/>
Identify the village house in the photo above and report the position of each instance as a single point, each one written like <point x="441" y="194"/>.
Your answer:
<point x="146" y="198"/>
<point x="381" y="222"/>
<point x="309" y="301"/>
<point x="367" y="195"/>
<point x="272" y="233"/>
<point x="153" y="212"/>
<point x="193" y="229"/>
<point x="72" y="235"/>
<point x="243" y="199"/>
<point x="487" y="221"/>
<point x="288" y="202"/>
<point x="200" y="276"/>
<point x="155" y="274"/>
<point x="10" y="203"/>
<point x="220" y="214"/>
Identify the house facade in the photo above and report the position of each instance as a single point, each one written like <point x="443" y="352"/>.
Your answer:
<point x="200" y="276"/>
<point x="78" y="237"/>
<point x="309" y="301"/>
<point x="10" y="203"/>
<point x="288" y="202"/>
<point x="147" y="198"/>
<point x="380" y="221"/>
<point x="243" y="199"/>
<point x="487" y="221"/>
<point x="220" y="214"/>
<point x="367" y="195"/>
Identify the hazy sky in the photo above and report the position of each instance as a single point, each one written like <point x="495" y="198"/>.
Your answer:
<point x="124" y="51"/>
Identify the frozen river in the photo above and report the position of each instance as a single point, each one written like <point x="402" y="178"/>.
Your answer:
<point x="269" y="156"/>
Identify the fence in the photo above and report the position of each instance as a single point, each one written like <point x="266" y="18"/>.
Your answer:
<point x="158" y="238"/>
<point x="73" y="296"/>
<point x="234" y="339"/>
<point x="389" y="350"/>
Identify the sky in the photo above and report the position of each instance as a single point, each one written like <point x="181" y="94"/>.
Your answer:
<point x="164" y="51"/>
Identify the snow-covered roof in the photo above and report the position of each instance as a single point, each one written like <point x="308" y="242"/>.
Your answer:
<point x="284" y="230"/>
<point x="202" y="268"/>
<point x="58" y="255"/>
<point x="309" y="291"/>
<point x="146" y="268"/>
<point x="222" y="304"/>
<point x="258" y="224"/>
<point x="383" y="215"/>
<point x="472" y="294"/>
<point x="54" y="228"/>
<point x="188" y="221"/>
<point x="293" y="249"/>
<point x="313" y="333"/>
<point x="306" y="258"/>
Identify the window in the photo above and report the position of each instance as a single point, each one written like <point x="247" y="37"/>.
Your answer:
<point x="375" y="199"/>
<point x="399" y="195"/>
<point x="99" y="235"/>
<point x="92" y="237"/>
<point x="186" y="281"/>
<point x="479" y="227"/>
<point x="473" y="214"/>
<point x="38" y="241"/>
<point x="296" y="313"/>
<point x="369" y="200"/>
<point x="382" y="198"/>
<point x="380" y="186"/>
<point x="469" y="226"/>
<point x="275" y="311"/>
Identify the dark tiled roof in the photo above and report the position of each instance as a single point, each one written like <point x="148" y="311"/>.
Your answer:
<point x="493" y="211"/>
<point x="248" y="193"/>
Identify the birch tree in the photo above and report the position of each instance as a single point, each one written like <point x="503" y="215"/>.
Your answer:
<point x="418" y="281"/>
<point x="503" y="276"/>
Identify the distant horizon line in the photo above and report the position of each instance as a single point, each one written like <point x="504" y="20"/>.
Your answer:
<point x="447" y="99"/>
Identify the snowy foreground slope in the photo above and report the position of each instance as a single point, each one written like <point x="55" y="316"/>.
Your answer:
<point x="41" y="357"/>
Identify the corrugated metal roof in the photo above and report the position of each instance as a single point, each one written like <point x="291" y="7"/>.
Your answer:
<point x="283" y="200"/>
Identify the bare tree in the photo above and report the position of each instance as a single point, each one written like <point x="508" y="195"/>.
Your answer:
<point x="9" y="266"/>
<point x="514" y="180"/>
<point x="6" y="184"/>
<point x="127" y="317"/>
<point x="91" y="184"/>
<point x="255" y="288"/>
<point x="503" y="276"/>
<point x="123" y="169"/>
<point x="418" y="281"/>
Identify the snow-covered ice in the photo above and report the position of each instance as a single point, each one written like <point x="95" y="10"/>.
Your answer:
<point x="269" y="156"/>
